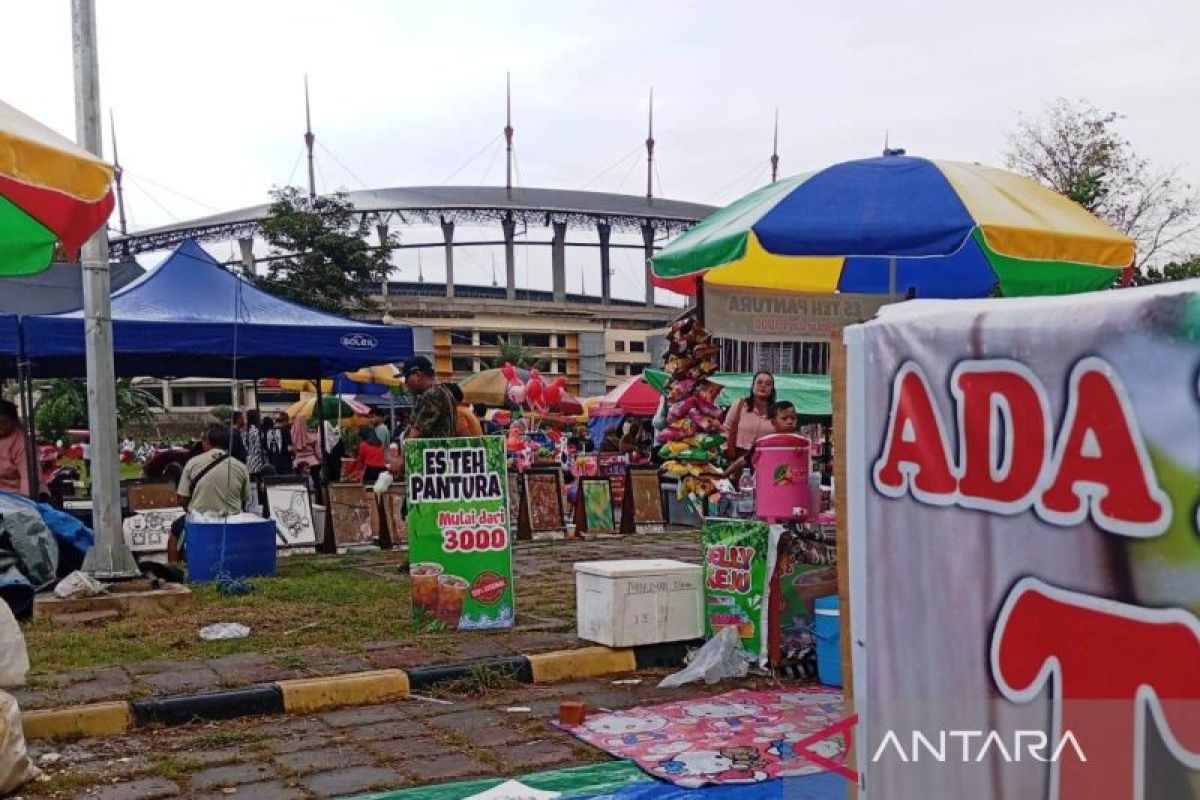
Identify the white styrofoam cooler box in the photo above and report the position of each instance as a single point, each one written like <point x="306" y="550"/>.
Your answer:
<point x="635" y="602"/>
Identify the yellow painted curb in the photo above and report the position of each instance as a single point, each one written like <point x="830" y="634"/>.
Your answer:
<point x="306" y="695"/>
<point x="97" y="719"/>
<point x="587" y="662"/>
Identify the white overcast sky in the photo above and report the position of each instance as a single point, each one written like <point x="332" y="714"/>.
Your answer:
<point x="209" y="101"/>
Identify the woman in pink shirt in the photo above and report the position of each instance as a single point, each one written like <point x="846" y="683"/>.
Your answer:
<point x="14" y="466"/>
<point x="747" y="419"/>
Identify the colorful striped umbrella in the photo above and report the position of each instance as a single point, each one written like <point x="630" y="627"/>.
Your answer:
<point x="943" y="228"/>
<point x="375" y="380"/>
<point x="489" y="387"/>
<point x="332" y="407"/>
<point x="51" y="192"/>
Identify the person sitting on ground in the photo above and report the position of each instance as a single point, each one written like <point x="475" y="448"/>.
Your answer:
<point x="212" y="482"/>
<point x="784" y="419"/>
<point x="466" y="423"/>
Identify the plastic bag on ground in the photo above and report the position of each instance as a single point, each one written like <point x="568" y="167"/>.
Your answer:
<point x="721" y="657"/>
<point x="15" y="767"/>
<point x="14" y="658"/>
<point x="77" y="584"/>
<point x="224" y="630"/>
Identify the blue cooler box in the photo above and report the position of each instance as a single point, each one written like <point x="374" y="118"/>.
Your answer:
<point x="248" y="549"/>
<point x="827" y="627"/>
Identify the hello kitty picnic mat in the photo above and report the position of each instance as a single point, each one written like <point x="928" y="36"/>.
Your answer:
<point x="744" y="736"/>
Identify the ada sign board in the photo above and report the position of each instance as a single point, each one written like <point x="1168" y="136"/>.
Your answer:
<point x="1023" y="479"/>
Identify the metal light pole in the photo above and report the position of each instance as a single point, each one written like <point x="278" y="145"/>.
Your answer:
<point x="109" y="557"/>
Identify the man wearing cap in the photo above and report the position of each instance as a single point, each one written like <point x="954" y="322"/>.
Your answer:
<point x="434" y="416"/>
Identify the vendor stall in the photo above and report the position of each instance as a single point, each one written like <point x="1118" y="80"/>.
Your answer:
<point x="798" y="260"/>
<point x="191" y="312"/>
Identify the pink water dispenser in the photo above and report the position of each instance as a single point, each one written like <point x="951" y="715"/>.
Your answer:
<point x="781" y="465"/>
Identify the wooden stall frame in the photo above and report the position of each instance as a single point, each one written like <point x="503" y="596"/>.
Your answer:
<point x="335" y="490"/>
<point x="629" y="523"/>
<point x="525" y="529"/>
<point x="581" y="522"/>
<point x="144" y="489"/>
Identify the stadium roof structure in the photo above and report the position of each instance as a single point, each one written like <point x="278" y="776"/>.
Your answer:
<point x="465" y="205"/>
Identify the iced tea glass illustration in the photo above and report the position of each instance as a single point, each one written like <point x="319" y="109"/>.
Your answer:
<point x="425" y="585"/>
<point x="451" y="590"/>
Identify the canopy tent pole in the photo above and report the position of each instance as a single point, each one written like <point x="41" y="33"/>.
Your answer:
<point x="110" y="556"/>
<point x="25" y="392"/>
<point x="892" y="280"/>
<point x="328" y="542"/>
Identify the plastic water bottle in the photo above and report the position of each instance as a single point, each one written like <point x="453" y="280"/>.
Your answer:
<point x="814" y="494"/>
<point x="745" y="501"/>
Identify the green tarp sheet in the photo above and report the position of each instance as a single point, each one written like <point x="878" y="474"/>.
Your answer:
<point x="810" y="393"/>
<point x="574" y="782"/>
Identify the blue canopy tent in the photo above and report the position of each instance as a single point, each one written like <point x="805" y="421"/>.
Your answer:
<point x="193" y="317"/>
<point x="10" y="345"/>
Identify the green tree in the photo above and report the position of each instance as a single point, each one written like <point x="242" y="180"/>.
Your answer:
<point x="512" y="350"/>
<point x="320" y="253"/>
<point x="1076" y="149"/>
<point x="62" y="405"/>
<point x="1174" y="271"/>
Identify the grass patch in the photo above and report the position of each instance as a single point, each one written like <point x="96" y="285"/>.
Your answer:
<point x="481" y="680"/>
<point x="61" y="782"/>
<point x="172" y="768"/>
<point x="291" y="661"/>
<point x="339" y="607"/>
<point x="212" y="740"/>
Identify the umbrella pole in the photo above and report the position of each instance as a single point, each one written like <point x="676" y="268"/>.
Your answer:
<point x="392" y="412"/>
<point x="700" y="300"/>
<point x="892" y="280"/>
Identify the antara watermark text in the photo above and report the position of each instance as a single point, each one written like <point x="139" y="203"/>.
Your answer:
<point x="975" y="746"/>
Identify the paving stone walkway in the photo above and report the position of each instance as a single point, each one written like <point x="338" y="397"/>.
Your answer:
<point x="545" y="585"/>
<point x="342" y="753"/>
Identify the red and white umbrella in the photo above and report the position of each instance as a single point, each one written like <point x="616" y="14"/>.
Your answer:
<point x="634" y="397"/>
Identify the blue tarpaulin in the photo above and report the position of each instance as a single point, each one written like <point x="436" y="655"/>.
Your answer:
<point x="191" y="316"/>
<point x="600" y="425"/>
<point x="822" y="786"/>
